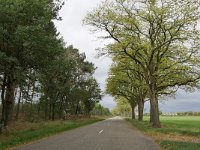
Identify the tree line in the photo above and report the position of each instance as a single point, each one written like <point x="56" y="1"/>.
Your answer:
<point x="123" y="108"/>
<point x="154" y="45"/>
<point x="41" y="77"/>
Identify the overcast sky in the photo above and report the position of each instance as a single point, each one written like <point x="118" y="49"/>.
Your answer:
<point x="74" y="33"/>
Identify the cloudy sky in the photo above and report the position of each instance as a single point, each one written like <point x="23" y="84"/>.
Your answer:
<point x="74" y="33"/>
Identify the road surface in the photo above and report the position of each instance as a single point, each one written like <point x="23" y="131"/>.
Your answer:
<point x="111" y="134"/>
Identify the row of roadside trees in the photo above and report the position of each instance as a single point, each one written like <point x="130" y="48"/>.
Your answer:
<point x="41" y="78"/>
<point x="154" y="45"/>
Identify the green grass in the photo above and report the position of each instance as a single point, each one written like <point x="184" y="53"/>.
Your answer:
<point x="183" y="125"/>
<point x="174" y="125"/>
<point x="46" y="129"/>
<point x="174" y="145"/>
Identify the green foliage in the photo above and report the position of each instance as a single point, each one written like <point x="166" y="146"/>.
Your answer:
<point x="126" y="81"/>
<point x="188" y="114"/>
<point x="161" y="37"/>
<point x="39" y="75"/>
<point x="99" y="110"/>
<point x="69" y="81"/>
<point x="123" y="108"/>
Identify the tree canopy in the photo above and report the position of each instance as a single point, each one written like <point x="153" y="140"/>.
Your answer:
<point x="41" y="77"/>
<point x="160" y="36"/>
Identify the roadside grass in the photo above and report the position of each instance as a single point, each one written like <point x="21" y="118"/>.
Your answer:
<point x="175" y="145"/>
<point x="177" y="132"/>
<point x="41" y="130"/>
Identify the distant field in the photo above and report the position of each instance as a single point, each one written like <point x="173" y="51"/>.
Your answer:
<point x="177" y="132"/>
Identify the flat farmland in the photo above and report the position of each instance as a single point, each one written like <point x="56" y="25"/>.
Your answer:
<point x="177" y="132"/>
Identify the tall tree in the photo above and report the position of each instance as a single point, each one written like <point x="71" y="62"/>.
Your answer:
<point x="159" y="35"/>
<point x="125" y="80"/>
<point x="28" y="41"/>
<point x="67" y="85"/>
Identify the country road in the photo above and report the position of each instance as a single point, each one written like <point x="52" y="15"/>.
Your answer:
<point x="111" y="134"/>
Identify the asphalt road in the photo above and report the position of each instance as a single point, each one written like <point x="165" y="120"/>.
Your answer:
<point x="111" y="134"/>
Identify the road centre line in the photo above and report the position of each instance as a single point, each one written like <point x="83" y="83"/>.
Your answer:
<point x="100" y="131"/>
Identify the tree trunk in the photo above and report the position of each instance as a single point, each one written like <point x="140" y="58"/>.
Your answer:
<point x="77" y="109"/>
<point x="154" y="115"/>
<point x="38" y="108"/>
<point x="18" y="104"/>
<point x="22" y="103"/>
<point x="3" y="98"/>
<point x="140" y="109"/>
<point x="133" y="111"/>
<point x="150" y="113"/>
<point x="53" y="110"/>
<point x="9" y="100"/>
<point x="61" y="107"/>
<point x="46" y="107"/>
<point x="50" y="110"/>
<point x="54" y="106"/>
<point x="31" y="99"/>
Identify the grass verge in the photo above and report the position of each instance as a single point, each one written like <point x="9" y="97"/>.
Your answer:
<point x="176" y="133"/>
<point x="39" y="131"/>
<point x="175" y="145"/>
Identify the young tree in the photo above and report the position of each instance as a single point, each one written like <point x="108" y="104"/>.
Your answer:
<point x="91" y="94"/>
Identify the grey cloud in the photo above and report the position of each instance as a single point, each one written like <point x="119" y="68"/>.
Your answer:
<point x="108" y="102"/>
<point x="182" y="103"/>
<point x="78" y="35"/>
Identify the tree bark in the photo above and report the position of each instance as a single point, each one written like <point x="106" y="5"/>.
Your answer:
<point x="31" y="99"/>
<point x="38" y="108"/>
<point x="77" y="110"/>
<point x="61" y="107"/>
<point x="9" y="100"/>
<point x="150" y="112"/>
<point x="133" y="111"/>
<point x="50" y="110"/>
<point x="154" y="115"/>
<point x="18" y="104"/>
<point x="3" y="98"/>
<point x="46" y="108"/>
<point x="53" y="110"/>
<point x="22" y="103"/>
<point x="140" y="109"/>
